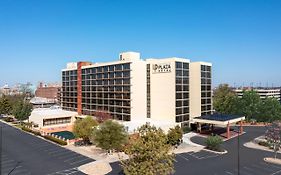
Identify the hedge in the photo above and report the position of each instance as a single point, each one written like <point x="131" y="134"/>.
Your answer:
<point x="31" y="131"/>
<point x="56" y="140"/>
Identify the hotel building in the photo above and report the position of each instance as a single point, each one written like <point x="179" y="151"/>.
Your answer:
<point x="165" y="91"/>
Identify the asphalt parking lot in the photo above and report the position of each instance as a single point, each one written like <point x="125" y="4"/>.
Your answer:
<point x="27" y="154"/>
<point x="208" y="163"/>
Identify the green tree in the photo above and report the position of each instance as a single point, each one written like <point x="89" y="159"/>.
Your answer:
<point x="83" y="128"/>
<point x="250" y="104"/>
<point x="22" y="110"/>
<point x="110" y="136"/>
<point x="225" y="100"/>
<point x="149" y="153"/>
<point x="175" y="135"/>
<point x="5" y="106"/>
<point x="269" y="110"/>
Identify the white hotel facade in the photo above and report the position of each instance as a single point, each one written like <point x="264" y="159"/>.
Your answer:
<point x="164" y="92"/>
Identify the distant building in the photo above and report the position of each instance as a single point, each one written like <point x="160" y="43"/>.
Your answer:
<point x="171" y="91"/>
<point x="50" y="92"/>
<point x="40" y="102"/>
<point x="263" y="92"/>
<point x="7" y="90"/>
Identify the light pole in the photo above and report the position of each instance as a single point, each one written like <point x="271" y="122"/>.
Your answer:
<point x="238" y="151"/>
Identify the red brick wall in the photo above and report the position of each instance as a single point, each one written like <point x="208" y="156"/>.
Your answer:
<point x="79" y="85"/>
<point x="47" y="92"/>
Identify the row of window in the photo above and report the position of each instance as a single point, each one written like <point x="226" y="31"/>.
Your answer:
<point x="56" y="121"/>
<point x="206" y="108"/>
<point x="69" y="73"/>
<point x="110" y="68"/>
<point x="182" y="118"/>
<point x="107" y="95"/>
<point x="105" y="75"/>
<point x="125" y="81"/>
<point x="123" y="117"/>
<point x="106" y="88"/>
<point x="206" y="68"/>
<point x="181" y="65"/>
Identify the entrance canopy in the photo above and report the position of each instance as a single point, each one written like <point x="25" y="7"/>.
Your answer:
<point x="221" y="120"/>
<point x="218" y="119"/>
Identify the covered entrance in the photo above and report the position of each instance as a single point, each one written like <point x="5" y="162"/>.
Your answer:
<point x="219" y="124"/>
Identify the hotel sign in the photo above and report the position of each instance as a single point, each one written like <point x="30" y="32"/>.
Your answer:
<point x="161" y="68"/>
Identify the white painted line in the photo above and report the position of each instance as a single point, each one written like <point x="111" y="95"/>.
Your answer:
<point x="11" y="164"/>
<point x="83" y="160"/>
<point x="57" y="151"/>
<point x="51" y="149"/>
<point x="73" y="158"/>
<point x="227" y="172"/>
<point x="276" y="172"/>
<point x="7" y="161"/>
<point x="272" y="165"/>
<point x="206" y="157"/>
<point x="44" y="145"/>
<point x="68" y="155"/>
<point x="262" y="167"/>
<point x="183" y="157"/>
<point x="60" y="154"/>
<point x="249" y="169"/>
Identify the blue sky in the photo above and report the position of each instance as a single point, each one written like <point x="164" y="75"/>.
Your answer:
<point x="242" y="38"/>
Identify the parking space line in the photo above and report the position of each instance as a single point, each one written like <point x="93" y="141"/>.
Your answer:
<point x="57" y="151"/>
<point x="51" y="149"/>
<point x="83" y="160"/>
<point x="263" y="168"/>
<point x="6" y="161"/>
<point x="267" y="164"/>
<point x="183" y="157"/>
<point x="44" y="145"/>
<point x="73" y="158"/>
<point x="60" y="154"/>
<point x="206" y="157"/>
<point x="68" y="155"/>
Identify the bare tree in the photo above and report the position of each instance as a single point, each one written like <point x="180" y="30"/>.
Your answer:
<point x="273" y="136"/>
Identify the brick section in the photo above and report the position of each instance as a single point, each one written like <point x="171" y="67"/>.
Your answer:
<point x="79" y="85"/>
<point x="79" y="88"/>
<point x="48" y="92"/>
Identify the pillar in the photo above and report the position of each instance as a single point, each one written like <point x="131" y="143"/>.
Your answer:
<point x="228" y="131"/>
<point x="241" y="127"/>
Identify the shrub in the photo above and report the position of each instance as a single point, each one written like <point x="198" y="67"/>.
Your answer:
<point x="8" y="119"/>
<point x="186" y="129"/>
<point x="264" y="143"/>
<point x="175" y="136"/>
<point x="24" y="128"/>
<point x="56" y="140"/>
<point x="214" y="142"/>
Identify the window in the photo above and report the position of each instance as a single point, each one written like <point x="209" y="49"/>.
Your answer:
<point x="118" y="67"/>
<point x="111" y="68"/>
<point x="126" y="66"/>
<point x="179" y="65"/>
<point x="178" y="73"/>
<point x="185" y="65"/>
